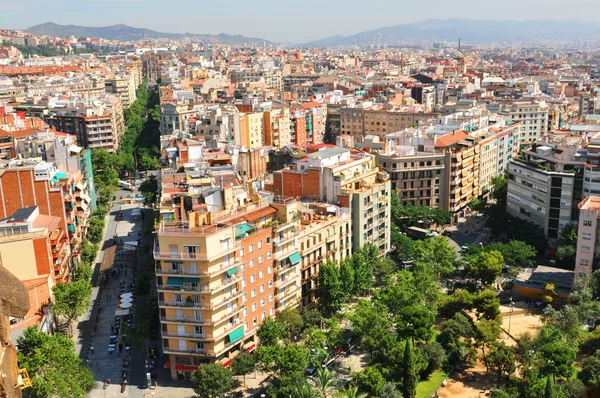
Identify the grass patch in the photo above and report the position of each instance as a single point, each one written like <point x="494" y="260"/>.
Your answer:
<point x="427" y="387"/>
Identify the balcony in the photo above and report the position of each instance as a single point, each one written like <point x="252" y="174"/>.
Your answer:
<point x="228" y="298"/>
<point x="185" y="304"/>
<point x="191" y="351"/>
<point x="187" y="319"/>
<point x="287" y="280"/>
<point x="186" y="335"/>
<point x="195" y="256"/>
<point x="181" y="271"/>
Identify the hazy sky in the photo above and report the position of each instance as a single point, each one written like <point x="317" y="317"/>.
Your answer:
<point x="279" y="20"/>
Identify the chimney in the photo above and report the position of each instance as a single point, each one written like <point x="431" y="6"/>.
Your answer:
<point x="222" y="183"/>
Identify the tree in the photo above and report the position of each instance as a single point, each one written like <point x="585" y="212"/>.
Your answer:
<point x="400" y="244"/>
<point x="557" y="359"/>
<point x="459" y="301"/>
<point x="487" y="267"/>
<point x="291" y="320"/>
<point x="95" y="229"/>
<point x="415" y="322"/>
<point x="54" y="367"/>
<point x="244" y="363"/>
<point x="71" y="299"/>
<point x="590" y="371"/>
<point x="455" y="336"/>
<point x="323" y="381"/>
<point x="384" y="269"/>
<point x="565" y="257"/>
<point x="270" y="332"/>
<point x="487" y="332"/>
<point x="475" y="204"/>
<point x="549" y="391"/>
<point x="410" y="377"/>
<point x="329" y="288"/>
<point x="303" y="390"/>
<point x="567" y="320"/>
<point x="347" y="276"/>
<point x="83" y="272"/>
<point x="311" y="318"/>
<point x="364" y="262"/>
<point x="390" y="391"/>
<point x="370" y="381"/>
<point x="515" y="252"/>
<point x="316" y="341"/>
<point x="434" y="256"/>
<point x="370" y="321"/>
<point x="292" y="358"/>
<point x="434" y="356"/>
<point x="499" y="189"/>
<point x="211" y="380"/>
<point x="352" y="392"/>
<point x="502" y="359"/>
<point x="149" y="189"/>
<point x="487" y="304"/>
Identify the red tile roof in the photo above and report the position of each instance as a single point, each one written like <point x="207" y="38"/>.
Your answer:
<point x="450" y="138"/>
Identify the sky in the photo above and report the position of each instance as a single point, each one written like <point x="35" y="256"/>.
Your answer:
<point x="280" y="20"/>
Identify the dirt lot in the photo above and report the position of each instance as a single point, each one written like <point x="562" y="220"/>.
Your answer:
<point x="521" y="320"/>
<point x="470" y="383"/>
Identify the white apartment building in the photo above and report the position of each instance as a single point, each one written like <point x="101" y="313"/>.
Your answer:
<point x="532" y="115"/>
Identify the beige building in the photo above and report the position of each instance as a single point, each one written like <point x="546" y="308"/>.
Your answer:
<point x="360" y="122"/>
<point x="253" y="130"/>
<point x="124" y="87"/>
<point x="277" y="128"/>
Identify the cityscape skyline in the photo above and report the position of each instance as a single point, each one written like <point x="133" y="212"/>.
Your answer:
<point x="283" y="23"/>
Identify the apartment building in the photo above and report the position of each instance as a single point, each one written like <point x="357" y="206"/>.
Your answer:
<point x="588" y="237"/>
<point x="591" y="174"/>
<point x="175" y="116"/>
<point x="273" y="78"/>
<point x="277" y="128"/>
<point x="545" y="185"/>
<point x="35" y="248"/>
<point x="150" y="67"/>
<point x="532" y="115"/>
<point x="199" y="272"/>
<point x="96" y="124"/>
<point x="360" y="122"/>
<point x="589" y="104"/>
<point x="124" y="87"/>
<point x="352" y="181"/>
<point x="462" y="162"/>
<point x="252" y="130"/>
<point x="218" y="126"/>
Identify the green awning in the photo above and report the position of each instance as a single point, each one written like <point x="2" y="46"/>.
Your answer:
<point x="236" y="335"/>
<point x="71" y="227"/>
<point x="232" y="271"/>
<point x="295" y="258"/>
<point x="174" y="281"/>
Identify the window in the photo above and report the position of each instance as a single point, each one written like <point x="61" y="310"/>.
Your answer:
<point x="243" y="283"/>
<point x="271" y="311"/>
<point x="262" y="302"/>
<point x="269" y="255"/>
<point x="585" y="249"/>
<point x="587" y="223"/>
<point x="263" y="316"/>
<point x="269" y="270"/>
<point x="251" y="262"/>
<point x="253" y="293"/>
<point x="254" y="307"/>
<point x="245" y="312"/>
<point x="250" y="248"/>
<point x="262" y="288"/>
<point x="584" y="262"/>
<point x="268" y="240"/>
<point x="255" y="321"/>
<point x="244" y="298"/>
<point x="252" y="278"/>
<point x="242" y="252"/>
<point x="260" y="244"/>
<point x="260" y="259"/>
<point x="270" y="298"/>
<point x="261" y="273"/>
<point x="586" y="236"/>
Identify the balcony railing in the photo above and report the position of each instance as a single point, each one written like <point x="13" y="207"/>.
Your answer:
<point x="187" y="335"/>
<point x="227" y="299"/>
<point x="287" y="280"/>
<point x="187" y="320"/>
<point x="181" y="271"/>
<point x="185" y="304"/>
<point x="191" y="351"/>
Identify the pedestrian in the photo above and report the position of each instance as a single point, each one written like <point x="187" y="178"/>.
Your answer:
<point x="120" y="347"/>
<point x="92" y="349"/>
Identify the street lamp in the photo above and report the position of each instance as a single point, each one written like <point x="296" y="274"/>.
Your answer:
<point x="512" y="307"/>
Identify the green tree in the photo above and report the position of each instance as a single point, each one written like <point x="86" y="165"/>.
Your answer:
<point x="211" y="380"/>
<point x="347" y="276"/>
<point x="352" y="392"/>
<point x="434" y="356"/>
<point x="455" y="336"/>
<point x="515" y="252"/>
<point x="83" y="272"/>
<point x="96" y="229"/>
<point x="410" y="377"/>
<point x="71" y="299"/>
<point x="401" y="245"/>
<point x="565" y="257"/>
<point x="244" y="363"/>
<point x="415" y="322"/>
<point x="487" y="267"/>
<point x="105" y="166"/>
<point x="502" y="359"/>
<point x="459" y="301"/>
<point x="370" y="380"/>
<point x="323" y="382"/>
<point x="316" y="341"/>
<point x="487" y="304"/>
<point x="434" y="256"/>
<point x="499" y="189"/>
<point x="475" y="204"/>
<point x="329" y="288"/>
<point x="590" y="371"/>
<point x="292" y="358"/>
<point x="567" y="319"/>
<point x="370" y="321"/>
<point x="149" y="189"/>
<point x="384" y="269"/>
<point x="549" y="391"/>
<point x="311" y="318"/>
<point x="303" y="390"/>
<point x="270" y="332"/>
<point x="557" y="359"/>
<point x="364" y="262"/>
<point x="54" y="367"/>
<point x="291" y="320"/>
<point x="486" y="334"/>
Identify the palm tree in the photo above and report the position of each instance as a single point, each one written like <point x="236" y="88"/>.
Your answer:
<point x="352" y="392"/>
<point x="323" y="382"/>
<point x="304" y="391"/>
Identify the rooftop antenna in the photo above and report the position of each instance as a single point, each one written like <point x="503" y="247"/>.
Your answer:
<point x="458" y="44"/>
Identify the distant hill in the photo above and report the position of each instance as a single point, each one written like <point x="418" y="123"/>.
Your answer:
<point x="470" y="31"/>
<point x="129" y="33"/>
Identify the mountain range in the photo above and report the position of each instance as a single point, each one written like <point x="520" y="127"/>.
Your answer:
<point x="469" y="31"/>
<point x="129" y="33"/>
